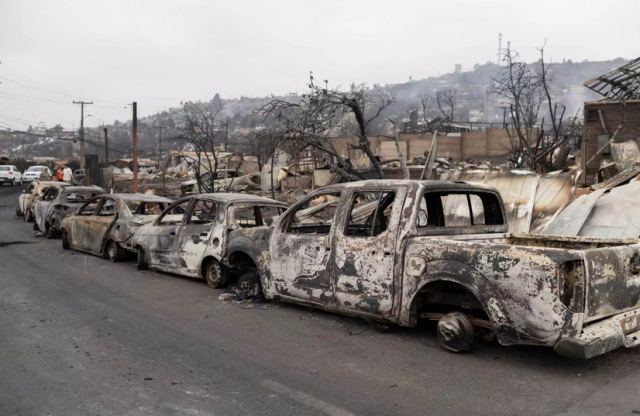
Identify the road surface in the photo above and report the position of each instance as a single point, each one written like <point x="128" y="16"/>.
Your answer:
<point x="82" y="336"/>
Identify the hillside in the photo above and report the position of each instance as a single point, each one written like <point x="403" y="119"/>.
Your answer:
<point x="474" y="102"/>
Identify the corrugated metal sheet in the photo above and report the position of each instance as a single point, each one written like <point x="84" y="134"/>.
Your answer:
<point x="608" y="213"/>
<point x="531" y="200"/>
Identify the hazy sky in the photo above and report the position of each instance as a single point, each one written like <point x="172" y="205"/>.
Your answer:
<point x="162" y="52"/>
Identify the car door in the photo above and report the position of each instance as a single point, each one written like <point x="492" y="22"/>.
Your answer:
<point x="365" y="251"/>
<point x="195" y="234"/>
<point x="300" y="249"/>
<point x="41" y="208"/>
<point x="161" y="238"/>
<point x="25" y="196"/>
<point x="81" y="225"/>
<point x="101" y="223"/>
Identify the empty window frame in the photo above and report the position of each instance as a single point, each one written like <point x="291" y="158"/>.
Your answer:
<point x="175" y="214"/>
<point x="108" y="207"/>
<point x="369" y="214"/>
<point x="315" y="215"/>
<point x="459" y="209"/>
<point x="204" y="212"/>
<point x="89" y="208"/>
<point x="247" y="216"/>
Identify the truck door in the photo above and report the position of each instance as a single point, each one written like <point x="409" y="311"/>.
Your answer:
<point x="195" y="234"/>
<point x="365" y="251"/>
<point x="300" y="250"/>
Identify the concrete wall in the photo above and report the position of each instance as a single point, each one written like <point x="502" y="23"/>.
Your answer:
<point x="458" y="146"/>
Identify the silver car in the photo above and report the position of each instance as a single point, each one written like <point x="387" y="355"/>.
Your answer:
<point x="57" y="203"/>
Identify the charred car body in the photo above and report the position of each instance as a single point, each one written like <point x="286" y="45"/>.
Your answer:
<point x="105" y="224"/>
<point x="32" y="193"/>
<point x="56" y="203"/>
<point x="196" y="236"/>
<point x="400" y="251"/>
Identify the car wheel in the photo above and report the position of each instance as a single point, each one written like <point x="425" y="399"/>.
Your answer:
<point x="49" y="230"/>
<point x="214" y="275"/>
<point x="114" y="252"/>
<point x="455" y="332"/>
<point x="18" y="213"/>
<point x="143" y="261"/>
<point x="66" y="241"/>
<point x="248" y="285"/>
<point x="28" y="216"/>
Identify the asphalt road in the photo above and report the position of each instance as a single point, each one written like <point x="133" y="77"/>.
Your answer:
<point x="82" y="336"/>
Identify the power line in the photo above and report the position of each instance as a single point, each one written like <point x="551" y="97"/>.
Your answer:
<point x="30" y="97"/>
<point x="35" y="88"/>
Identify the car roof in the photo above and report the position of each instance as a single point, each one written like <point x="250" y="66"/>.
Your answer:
<point x="138" y="197"/>
<point x="52" y="183"/>
<point x="83" y="188"/>
<point x="233" y="197"/>
<point x="429" y="185"/>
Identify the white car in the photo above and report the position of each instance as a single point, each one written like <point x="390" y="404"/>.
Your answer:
<point x="10" y="174"/>
<point x="34" y="172"/>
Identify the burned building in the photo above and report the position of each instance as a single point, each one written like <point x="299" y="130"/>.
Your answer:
<point x="612" y="125"/>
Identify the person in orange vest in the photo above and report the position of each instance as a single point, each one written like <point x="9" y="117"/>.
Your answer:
<point x="60" y="173"/>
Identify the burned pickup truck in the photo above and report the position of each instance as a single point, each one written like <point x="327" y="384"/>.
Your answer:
<point x="404" y="251"/>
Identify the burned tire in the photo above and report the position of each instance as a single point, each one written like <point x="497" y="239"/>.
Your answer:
<point x="214" y="274"/>
<point x="114" y="251"/>
<point x="143" y="261"/>
<point x="49" y="232"/>
<point x="248" y="285"/>
<point x="66" y="242"/>
<point x="455" y="332"/>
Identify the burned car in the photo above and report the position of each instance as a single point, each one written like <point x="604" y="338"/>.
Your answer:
<point x="56" y="203"/>
<point x="105" y="224"/>
<point x="32" y="193"/>
<point x="402" y="251"/>
<point x="191" y="237"/>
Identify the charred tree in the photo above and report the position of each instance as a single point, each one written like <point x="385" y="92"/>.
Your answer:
<point x="310" y="121"/>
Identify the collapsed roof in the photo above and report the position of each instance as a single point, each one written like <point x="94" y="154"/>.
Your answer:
<point x="620" y="84"/>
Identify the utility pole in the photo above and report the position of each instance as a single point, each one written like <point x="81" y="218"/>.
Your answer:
<point x="160" y="154"/>
<point x="159" y="128"/>
<point x="82" y="144"/>
<point x="226" y="135"/>
<point x="11" y="145"/>
<point x="106" y="145"/>
<point x="134" y="134"/>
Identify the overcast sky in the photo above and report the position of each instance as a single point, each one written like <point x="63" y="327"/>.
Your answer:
<point x="162" y="52"/>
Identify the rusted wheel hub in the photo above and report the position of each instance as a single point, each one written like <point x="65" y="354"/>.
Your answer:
<point x="214" y="274"/>
<point x="455" y="332"/>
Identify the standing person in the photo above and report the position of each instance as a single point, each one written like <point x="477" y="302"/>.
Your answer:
<point x="59" y="173"/>
<point x="67" y="174"/>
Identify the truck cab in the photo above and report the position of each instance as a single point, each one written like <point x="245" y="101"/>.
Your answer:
<point x="402" y="251"/>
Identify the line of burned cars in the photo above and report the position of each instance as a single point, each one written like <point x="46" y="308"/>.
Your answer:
<point x="397" y="251"/>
